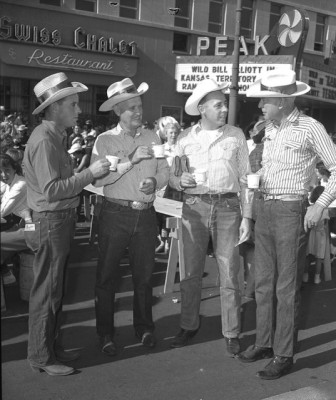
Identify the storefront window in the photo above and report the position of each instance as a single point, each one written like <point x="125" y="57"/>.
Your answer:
<point x="182" y="18"/>
<point x="216" y="12"/>
<point x="275" y="14"/>
<point x="246" y="18"/>
<point x="181" y="42"/>
<point x="51" y="2"/>
<point x="86" y="5"/>
<point x="128" y="9"/>
<point x="319" y="32"/>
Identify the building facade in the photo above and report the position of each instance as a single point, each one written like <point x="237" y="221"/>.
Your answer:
<point x="98" y="42"/>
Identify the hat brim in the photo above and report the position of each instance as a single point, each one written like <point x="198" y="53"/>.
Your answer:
<point x="256" y="91"/>
<point x="191" y="106"/>
<point x="112" y="101"/>
<point x="77" y="87"/>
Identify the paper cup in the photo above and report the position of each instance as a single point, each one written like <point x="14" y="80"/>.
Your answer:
<point x="253" y="181"/>
<point x="114" y="161"/>
<point x="200" y="176"/>
<point x="159" y="150"/>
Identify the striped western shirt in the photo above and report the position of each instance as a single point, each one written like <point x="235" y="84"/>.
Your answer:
<point x="290" y="155"/>
<point x="223" y="154"/>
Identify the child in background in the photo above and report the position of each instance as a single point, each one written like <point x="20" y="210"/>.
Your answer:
<point x="317" y="239"/>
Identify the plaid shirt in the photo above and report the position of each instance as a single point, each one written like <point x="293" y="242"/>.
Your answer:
<point x="290" y="155"/>
<point x="223" y="153"/>
<point x="256" y="157"/>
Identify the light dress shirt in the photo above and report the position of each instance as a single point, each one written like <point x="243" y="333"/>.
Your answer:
<point x="224" y="155"/>
<point x="14" y="198"/>
<point x="291" y="151"/>
<point x="51" y="183"/>
<point x="124" y="183"/>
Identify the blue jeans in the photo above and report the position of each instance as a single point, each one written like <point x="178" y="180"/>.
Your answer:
<point x="220" y="220"/>
<point x="280" y="252"/>
<point x="50" y="242"/>
<point x="120" y="228"/>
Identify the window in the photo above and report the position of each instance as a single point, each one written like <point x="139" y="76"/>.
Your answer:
<point x="216" y="11"/>
<point x="128" y="9"/>
<point x="86" y="5"/>
<point x="181" y="42"/>
<point x="51" y="2"/>
<point x="275" y="14"/>
<point x="246" y="19"/>
<point x="319" y="32"/>
<point x="182" y="18"/>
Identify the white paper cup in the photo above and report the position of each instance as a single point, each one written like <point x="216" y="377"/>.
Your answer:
<point x="253" y="181"/>
<point x="200" y="176"/>
<point x="114" y="161"/>
<point x="159" y="150"/>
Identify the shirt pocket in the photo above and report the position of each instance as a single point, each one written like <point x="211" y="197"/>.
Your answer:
<point x="225" y="151"/>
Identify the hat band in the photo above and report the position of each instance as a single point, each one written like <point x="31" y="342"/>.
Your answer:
<point x="51" y="91"/>
<point x="285" y="89"/>
<point x="130" y="89"/>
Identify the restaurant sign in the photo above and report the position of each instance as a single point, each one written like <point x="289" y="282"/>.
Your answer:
<point x="40" y="46"/>
<point x="192" y="70"/>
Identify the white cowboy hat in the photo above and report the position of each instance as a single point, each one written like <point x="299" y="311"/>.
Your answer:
<point x="53" y="88"/>
<point x="202" y="89"/>
<point x="277" y="83"/>
<point x="75" y="147"/>
<point x="22" y="128"/>
<point x="122" y="91"/>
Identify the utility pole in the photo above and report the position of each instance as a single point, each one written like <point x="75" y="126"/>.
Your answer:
<point x="232" y="119"/>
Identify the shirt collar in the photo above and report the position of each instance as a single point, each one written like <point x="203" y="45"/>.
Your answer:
<point x="121" y="130"/>
<point x="57" y="133"/>
<point x="198" y="127"/>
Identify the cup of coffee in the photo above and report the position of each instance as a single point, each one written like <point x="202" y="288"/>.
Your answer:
<point x="200" y="176"/>
<point x="114" y="161"/>
<point x="159" y="150"/>
<point x="253" y="181"/>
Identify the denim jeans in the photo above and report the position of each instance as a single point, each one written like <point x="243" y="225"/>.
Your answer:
<point x="120" y="228"/>
<point x="50" y="241"/>
<point x="280" y="252"/>
<point x="220" y="220"/>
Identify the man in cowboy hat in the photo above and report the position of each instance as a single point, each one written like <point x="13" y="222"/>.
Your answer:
<point x="211" y="209"/>
<point x="127" y="218"/>
<point x="52" y="195"/>
<point x="293" y="144"/>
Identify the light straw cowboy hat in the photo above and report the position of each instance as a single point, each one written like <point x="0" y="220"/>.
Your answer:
<point x="53" y="88"/>
<point x="122" y="91"/>
<point x="202" y="89"/>
<point x="277" y="83"/>
<point x="75" y="147"/>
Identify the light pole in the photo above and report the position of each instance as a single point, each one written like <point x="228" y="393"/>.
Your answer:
<point x="232" y="119"/>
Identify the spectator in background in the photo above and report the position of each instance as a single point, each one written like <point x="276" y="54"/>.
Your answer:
<point x="162" y="122"/>
<point x="6" y="139"/>
<point x="20" y="137"/>
<point x="76" y="132"/>
<point x="16" y="155"/>
<point x="14" y="212"/>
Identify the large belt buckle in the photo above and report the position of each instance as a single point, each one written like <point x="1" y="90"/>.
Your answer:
<point x="138" y="205"/>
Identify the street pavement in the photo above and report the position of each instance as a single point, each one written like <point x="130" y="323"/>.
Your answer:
<point x="200" y="371"/>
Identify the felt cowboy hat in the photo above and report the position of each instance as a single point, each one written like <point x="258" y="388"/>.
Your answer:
<point x="53" y="88"/>
<point x="75" y="147"/>
<point x="202" y="89"/>
<point x="277" y="83"/>
<point x="122" y="91"/>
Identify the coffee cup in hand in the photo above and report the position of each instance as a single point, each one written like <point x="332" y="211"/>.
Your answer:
<point x="159" y="150"/>
<point x="200" y="176"/>
<point x="253" y="181"/>
<point x="114" y="161"/>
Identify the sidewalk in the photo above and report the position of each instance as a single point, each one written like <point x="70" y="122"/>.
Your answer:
<point x="201" y="370"/>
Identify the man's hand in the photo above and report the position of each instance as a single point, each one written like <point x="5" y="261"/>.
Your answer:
<point x="100" y="168"/>
<point x="141" y="153"/>
<point x="187" y="180"/>
<point x="313" y="216"/>
<point x="148" y="185"/>
<point x="245" y="230"/>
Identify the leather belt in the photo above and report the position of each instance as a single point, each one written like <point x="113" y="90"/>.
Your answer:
<point x="212" y="196"/>
<point x="283" y="197"/>
<point x="135" y="205"/>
